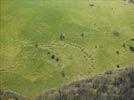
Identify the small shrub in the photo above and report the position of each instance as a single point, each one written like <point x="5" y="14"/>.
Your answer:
<point x="118" y="66"/>
<point x="48" y="52"/>
<point x="91" y="4"/>
<point x="53" y="56"/>
<point x="57" y="59"/>
<point x="132" y="86"/>
<point x="82" y="34"/>
<point x="62" y="73"/>
<point x="117" y="52"/>
<point x="36" y="45"/>
<point x="124" y="45"/>
<point x="132" y="39"/>
<point x="116" y="33"/>
<point x="131" y="48"/>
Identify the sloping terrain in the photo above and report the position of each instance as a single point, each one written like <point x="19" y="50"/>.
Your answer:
<point x="113" y="85"/>
<point x="10" y="95"/>
<point x="34" y="56"/>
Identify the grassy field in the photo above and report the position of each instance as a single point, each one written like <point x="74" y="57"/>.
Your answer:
<point x="32" y="56"/>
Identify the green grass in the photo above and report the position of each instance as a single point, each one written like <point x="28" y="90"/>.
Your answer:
<point x="29" y="70"/>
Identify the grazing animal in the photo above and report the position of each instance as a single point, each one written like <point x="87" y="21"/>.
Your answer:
<point x="62" y="36"/>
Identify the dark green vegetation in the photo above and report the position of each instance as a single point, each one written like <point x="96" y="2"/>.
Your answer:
<point x="131" y="48"/>
<point x="113" y="85"/>
<point x="48" y="43"/>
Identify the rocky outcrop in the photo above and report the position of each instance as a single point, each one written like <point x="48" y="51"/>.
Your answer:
<point x="131" y="1"/>
<point x="118" y="85"/>
<point x="112" y="85"/>
<point x="10" y="95"/>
